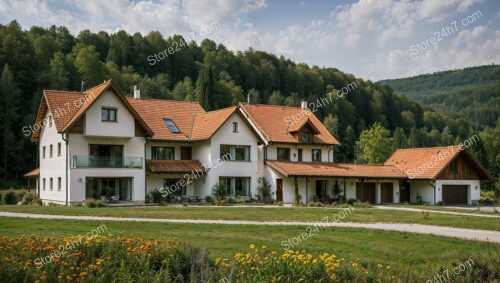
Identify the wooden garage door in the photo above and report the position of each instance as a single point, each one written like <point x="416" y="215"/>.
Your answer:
<point x="454" y="194"/>
<point x="386" y="193"/>
<point x="365" y="192"/>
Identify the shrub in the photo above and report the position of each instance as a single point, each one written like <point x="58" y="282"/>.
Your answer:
<point x="155" y="196"/>
<point x="89" y="203"/>
<point x="10" y="197"/>
<point x="278" y="203"/>
<point x="230" y="200"/>
<point x="209" y="199"/>
<point x="99" y="203"/>
<point x="52" y="204"/>
<point x="240" y="200"/>
<point x="220" y="191"/>
<point x="351" y="201"/>
<point x="264" y="189"/>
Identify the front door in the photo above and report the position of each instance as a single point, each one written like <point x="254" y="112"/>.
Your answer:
<point x="386" y="193"/>
<point x="404" y="192"/>
<point x="321" y="189"/>
<point x="279" y="190"/>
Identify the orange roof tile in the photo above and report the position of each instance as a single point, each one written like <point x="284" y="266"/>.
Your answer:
<point x="153" y="111"/>
<point x="273" y="122"/>
<point x="62" y="104"/>
<point x="93" y="94"/>
<point x="329" y="169"/>
<point x="432" y="159"/>
<point x="32" y="173"/>
<point x="174" y="166"/>
<point x="206" y="124"/>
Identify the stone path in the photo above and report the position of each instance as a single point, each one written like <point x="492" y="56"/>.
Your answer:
<point x="469" y="234"/>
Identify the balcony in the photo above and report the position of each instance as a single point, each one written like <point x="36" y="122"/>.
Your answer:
<point x="85" y="161"/>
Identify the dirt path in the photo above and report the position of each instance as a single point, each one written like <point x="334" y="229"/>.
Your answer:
<point x="469" y="234"/>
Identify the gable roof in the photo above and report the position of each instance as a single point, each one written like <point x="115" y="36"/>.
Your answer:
<point x="62" y="104"/>
<point x="206" y="124"/>
<point x="329" y="169"/>
<point x="153" y="111"/>
<point x="433" y="159"/>
<point x="273" y="121"/>
<point x="93" y="94"/>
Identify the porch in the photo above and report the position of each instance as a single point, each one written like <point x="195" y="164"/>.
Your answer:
<point x="329" y="182"/>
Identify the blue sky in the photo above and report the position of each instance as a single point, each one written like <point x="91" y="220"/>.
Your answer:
<point x="371" y="39"/>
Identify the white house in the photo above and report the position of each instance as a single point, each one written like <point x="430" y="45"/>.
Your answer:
<point x="100" y="144"/>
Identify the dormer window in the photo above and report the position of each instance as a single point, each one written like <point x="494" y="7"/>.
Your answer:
<point x="108" y="115"/>
<point x="305" y="137"/>
<point x="171" y="126"/>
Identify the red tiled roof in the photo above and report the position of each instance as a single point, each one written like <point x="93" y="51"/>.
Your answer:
<point x="328" y="169"/>
<point x="274" y="123"/>
<point x="32" y="173"/>
<point x="153" y="111"/>
<point x="93" y="94"/>
<point x="174" y="166"/>
<point x="433" y="159"/>
<point x="206" y="124"/>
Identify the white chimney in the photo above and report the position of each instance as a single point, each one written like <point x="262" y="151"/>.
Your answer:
<point x="303" y="104"/>
<point x="137" y="92"/>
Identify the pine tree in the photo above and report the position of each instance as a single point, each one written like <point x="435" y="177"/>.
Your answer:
<point x="10" y="96"/>
<point x="206" y="89"/>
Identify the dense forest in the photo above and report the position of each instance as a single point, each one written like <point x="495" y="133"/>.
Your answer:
<point x="52" y="58"/>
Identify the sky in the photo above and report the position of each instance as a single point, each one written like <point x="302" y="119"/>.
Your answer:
<point x="371" y="39"/>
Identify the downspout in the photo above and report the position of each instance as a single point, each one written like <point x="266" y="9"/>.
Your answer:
<point x="37" y="180"/>
<point x="66" y="141"/>
<point x="331" y="149"/>
<point x="434" y="187"/>
<point x="145" y="176"/>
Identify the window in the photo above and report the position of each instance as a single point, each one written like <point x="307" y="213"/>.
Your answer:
<point x="316" y="155"/>
<point x="162" y="153"/>
<point x="305" y="137"/>
<point x="235" y="152"/>
<point x="108" y="115"/>
<point x="171" y="126"/>
<point x="50" y="121"/>
<point x="51" y="184"/>
<point x="43" y="152"/>
<point x="235" y="127"/>
<point x="50" y="151"/>
<point x="453" y="166"/>
<point x="105" y="156"/>
<point x="59" y="183"/>
<point x="300" y="154"/>
<point x="283" y="154"/>
<point x="237" y="186"/>
<point x="43" y="184"/>
<point x="174" y="187"/>
<point x="58" y="149"/>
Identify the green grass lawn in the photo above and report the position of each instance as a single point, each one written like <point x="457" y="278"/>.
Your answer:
<point x="426" y="253"/>
<point x="367" y="215"/>
<point x="442" y="208"/>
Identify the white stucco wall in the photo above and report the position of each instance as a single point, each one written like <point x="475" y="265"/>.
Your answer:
<point x="272" y="152"/>
<point x="124" y="125"/>
<point x="52" y="167"/>
<point x="423" y="188"/>
<point x="225" y="135"/>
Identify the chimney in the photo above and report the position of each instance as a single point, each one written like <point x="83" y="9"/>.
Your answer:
<point x="137" y="92"/>
<point x="250" y="99"/>
<point x="303" y="104"/>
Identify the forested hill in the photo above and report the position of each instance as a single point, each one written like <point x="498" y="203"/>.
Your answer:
<point x="36" y="58"/>
<point x="473" y="92"/>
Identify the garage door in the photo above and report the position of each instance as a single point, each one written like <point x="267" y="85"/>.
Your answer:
<point x="365" y="192"/>
<point x="454" y="194"/>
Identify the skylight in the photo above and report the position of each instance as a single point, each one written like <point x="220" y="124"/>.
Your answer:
<point x="171" y="126"/>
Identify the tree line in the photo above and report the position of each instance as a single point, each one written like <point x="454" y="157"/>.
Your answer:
<point x="52" y="58"/>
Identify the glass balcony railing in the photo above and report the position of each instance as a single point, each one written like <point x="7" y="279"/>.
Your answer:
<point x="85" y="161"/>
